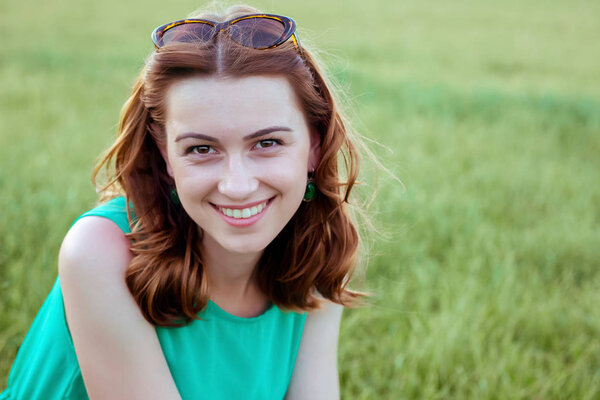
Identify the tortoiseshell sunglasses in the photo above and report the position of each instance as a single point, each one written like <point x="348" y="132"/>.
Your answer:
<point x="258" y="31"/>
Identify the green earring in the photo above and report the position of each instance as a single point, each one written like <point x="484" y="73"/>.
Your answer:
<point x="175" y="197"/>
<point x="311" y="190"/>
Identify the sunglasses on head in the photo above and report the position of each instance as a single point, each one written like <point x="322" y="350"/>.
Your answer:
<point x="258" y="31"/>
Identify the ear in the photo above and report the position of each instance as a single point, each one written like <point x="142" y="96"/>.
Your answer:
<point x="163" y="153"/>
<point x="314" y="155"/>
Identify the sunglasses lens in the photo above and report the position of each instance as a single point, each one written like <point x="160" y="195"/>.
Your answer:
<point x="189" y="33"/>
<point x="257" y="33"/>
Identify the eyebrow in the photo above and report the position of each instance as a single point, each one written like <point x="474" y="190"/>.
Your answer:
<point x="258" y="133"/>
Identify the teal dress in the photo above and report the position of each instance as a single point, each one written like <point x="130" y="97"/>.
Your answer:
<point x="221" y="356"/>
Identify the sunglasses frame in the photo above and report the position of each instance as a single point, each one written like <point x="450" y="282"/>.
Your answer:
<point x="289" y="30"/>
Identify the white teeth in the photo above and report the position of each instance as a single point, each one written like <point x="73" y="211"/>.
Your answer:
<point x="244" y="212"/>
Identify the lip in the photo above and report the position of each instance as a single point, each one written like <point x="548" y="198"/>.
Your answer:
<point x="243" y="222"/>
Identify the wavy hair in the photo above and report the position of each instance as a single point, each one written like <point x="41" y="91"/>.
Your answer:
<point x="313" y="257"/>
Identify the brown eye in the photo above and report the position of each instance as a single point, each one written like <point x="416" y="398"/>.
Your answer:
<point x="203" y="149"/>
<point x="263" y="144"/>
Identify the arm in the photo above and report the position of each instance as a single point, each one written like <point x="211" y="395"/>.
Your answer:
<point x="117" y="349"/>
<point x="315" y="373"/>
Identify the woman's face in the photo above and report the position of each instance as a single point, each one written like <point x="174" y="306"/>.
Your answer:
<point x="239" y="150"/>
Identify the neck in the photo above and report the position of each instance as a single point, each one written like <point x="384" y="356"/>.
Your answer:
<point x="231" y="281"/>
<point x="228" y="272"/>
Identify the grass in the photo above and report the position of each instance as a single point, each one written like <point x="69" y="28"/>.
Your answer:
<point x="488" y="287"/>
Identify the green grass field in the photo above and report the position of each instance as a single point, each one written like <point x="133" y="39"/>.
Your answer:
<point x="489" y="112"/>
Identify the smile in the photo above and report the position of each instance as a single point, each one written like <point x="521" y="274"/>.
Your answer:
<point x="243" y="213"/>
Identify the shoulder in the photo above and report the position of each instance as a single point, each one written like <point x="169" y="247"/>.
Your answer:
<point x="105" y="322"/>
<point x="321" y="329"/>
<point x="329" y="314"/>
<point x="93" y="244"/>
<point x="315" y="372"/>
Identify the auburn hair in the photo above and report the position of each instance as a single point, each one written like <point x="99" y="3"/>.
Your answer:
<point x="313" y="257"/>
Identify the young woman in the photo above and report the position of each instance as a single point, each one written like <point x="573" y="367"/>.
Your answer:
<point x="217" y="265"/>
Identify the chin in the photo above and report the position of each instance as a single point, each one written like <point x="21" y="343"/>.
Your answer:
<point x="245" y="247"/>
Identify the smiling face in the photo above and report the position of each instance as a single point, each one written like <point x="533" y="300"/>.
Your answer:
<point x="239" y="150"/>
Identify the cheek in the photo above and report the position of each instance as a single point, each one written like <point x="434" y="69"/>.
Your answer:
<point x="290" y="183"/>
<point x="287" y="172"/>
<point x="193" y="181"/>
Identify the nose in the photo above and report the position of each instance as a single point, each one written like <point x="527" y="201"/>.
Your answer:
<point x="237" y="182"/>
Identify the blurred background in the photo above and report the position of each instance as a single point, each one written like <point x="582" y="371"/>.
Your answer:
<point x="489" y="112"/>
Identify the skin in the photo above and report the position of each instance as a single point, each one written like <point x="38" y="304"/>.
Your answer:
<point x="117" y="349"/>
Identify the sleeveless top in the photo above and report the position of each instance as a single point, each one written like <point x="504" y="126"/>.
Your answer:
<point x="222" y="356"/>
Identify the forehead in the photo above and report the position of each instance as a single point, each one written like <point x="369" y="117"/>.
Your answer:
<point x="231" y="104"/>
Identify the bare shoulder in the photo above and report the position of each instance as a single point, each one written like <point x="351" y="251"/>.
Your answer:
<point x="321" y="330"/>
<point x="106" y="324"/>
<point x="94" y="245"/>
<point x="92" y="262"/>
<point x="315" y="372"/>
<point x="329" y="314"/>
